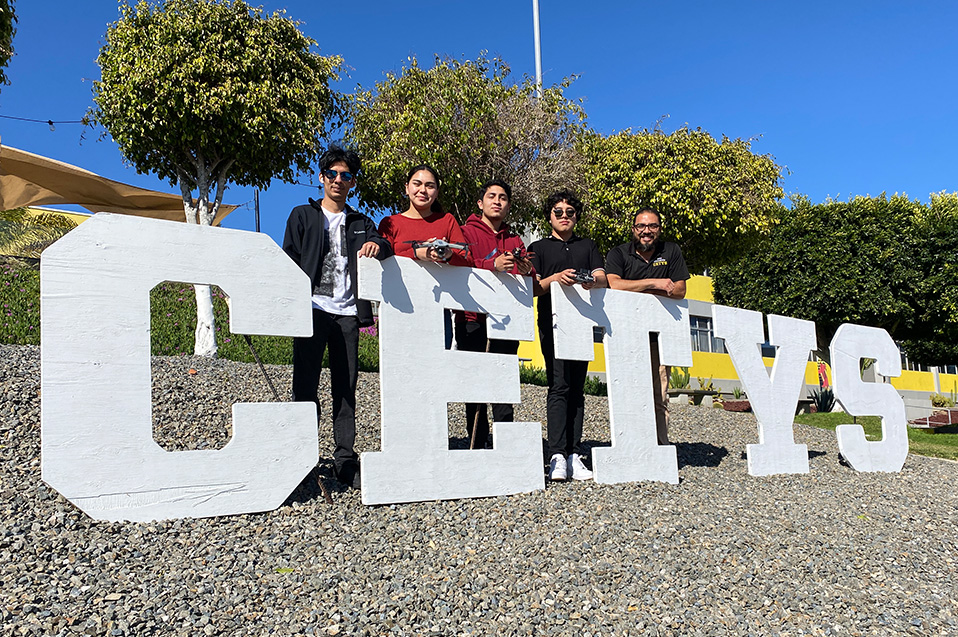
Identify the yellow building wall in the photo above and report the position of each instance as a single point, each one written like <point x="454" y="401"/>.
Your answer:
<point x="699" y="288"/>
<point x="948" y="382"/>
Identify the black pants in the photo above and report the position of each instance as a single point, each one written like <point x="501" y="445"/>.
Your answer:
<point x="341" y="335"/>
<point x="565" y="403"/>
<point x="471" y="337"/>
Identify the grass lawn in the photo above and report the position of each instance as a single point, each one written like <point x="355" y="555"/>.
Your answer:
<point x="920" y="441"/>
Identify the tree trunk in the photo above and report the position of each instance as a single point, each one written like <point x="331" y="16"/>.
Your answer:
<point x="204" y="341"/>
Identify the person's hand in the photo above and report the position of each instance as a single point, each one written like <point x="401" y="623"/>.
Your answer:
<point x="369" y="249"/>
<point x="504" y="262"/>
<point x="428" y="253"/>
<point x="525" y="263"/>
<point x="566" y="277"/>
<point x="664" y="285"/>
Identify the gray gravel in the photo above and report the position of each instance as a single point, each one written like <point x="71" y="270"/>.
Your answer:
<point x="832" y="552"/>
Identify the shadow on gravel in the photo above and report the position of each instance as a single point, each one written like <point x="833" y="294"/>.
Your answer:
<point x="308" y="490"/>
<point x="699" y="454"/>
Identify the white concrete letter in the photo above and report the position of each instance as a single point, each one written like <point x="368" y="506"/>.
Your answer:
<point x="97" y="434"/>
<point x="628" y="318"/>
<point x="773" y="399"/>
<point x="419" y="378"/>
<point x="850" y="344"/>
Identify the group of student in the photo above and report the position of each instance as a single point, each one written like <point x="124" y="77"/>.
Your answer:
<point x="326" y="238"/>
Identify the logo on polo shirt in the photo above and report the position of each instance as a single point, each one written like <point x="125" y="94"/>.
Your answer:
<point x="659" y="261"/>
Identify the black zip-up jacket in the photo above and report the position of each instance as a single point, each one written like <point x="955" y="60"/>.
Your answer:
<point x="305" y="244"/>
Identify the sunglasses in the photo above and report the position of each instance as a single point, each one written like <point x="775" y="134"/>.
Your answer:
<point x="564" y="213"/>
<point x="331" y="174"/>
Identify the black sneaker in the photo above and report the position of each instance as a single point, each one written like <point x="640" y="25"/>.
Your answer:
<point x="349" y="474"/>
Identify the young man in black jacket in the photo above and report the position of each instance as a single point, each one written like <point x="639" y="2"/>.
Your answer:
<point x="326" y="238"/>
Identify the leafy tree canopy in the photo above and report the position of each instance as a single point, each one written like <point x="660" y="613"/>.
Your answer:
<point x="879" y="261"/>
<point x="466" y="119"/>
<point x="715" y="197"/>
<point x="197" y="90"/>
<point x="933" y="336"/>
<point x="8" y="28"/>
<point x="203" y="93"/>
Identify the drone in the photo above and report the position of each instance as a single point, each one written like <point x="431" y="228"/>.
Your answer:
<point x="583" y="276"/>
<point x="442" y="247"/>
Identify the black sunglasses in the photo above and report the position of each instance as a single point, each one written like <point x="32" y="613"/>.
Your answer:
<point x="559" y="213"/>
<point x="331" y="174"/>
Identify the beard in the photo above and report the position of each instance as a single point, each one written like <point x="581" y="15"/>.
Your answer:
<point x="646" y="244"/>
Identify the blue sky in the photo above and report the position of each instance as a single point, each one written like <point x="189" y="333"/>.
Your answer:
<point x="852" y="96"/>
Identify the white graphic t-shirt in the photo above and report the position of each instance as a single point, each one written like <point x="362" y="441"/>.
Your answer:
<point x="333" y="292"/>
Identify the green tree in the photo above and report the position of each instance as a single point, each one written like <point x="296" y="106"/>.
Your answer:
<point x="472" y="124"/>
<point x="831" y="263"/>
<point x="26" y="234"/>
<point x="8" y="28"/>
<point x="932" y="337"/>
<point x="715" y="197"/>
<point x="205" y="93"/>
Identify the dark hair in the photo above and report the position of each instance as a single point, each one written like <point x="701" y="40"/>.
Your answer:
<point x="562" y="195"/>
<point x="336" y="154"/>
<point x="649" y="211"/>
<point x="436" y="206"/>
<point x="426" y="167"/>
<point x="495" y="182"/>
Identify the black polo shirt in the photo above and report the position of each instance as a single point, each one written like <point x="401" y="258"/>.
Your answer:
<point x="555" y="255"/>
<point x="667" y="262"/>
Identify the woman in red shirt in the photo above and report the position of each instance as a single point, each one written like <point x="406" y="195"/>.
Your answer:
<point x="424" y="221"/>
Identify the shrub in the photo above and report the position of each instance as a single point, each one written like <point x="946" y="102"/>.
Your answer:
<point x="823" y="399"/>
<point x="942" y="400"/>
<point x="679" y="378"/>
<point x="595" y="387"/>
<point x="20" y="303"/>
<point x="529" y="375"/>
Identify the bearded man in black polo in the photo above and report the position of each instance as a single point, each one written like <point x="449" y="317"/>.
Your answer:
<point x="648" y="264"/>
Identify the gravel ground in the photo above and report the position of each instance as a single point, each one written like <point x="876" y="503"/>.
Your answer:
<point x="832" y="552"/>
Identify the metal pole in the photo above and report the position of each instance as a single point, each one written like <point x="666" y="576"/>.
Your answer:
<point x="535" y="26"/>
<point x="256" y="208"/>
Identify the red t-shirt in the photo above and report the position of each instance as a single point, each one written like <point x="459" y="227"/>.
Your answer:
<point x="399" y="229"/>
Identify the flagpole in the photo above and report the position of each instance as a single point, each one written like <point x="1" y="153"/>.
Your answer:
<point x="535" y="26"/>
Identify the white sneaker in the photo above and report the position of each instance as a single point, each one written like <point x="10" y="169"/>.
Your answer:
<point x="557" y="468"/>
<point x="578" y="470"/>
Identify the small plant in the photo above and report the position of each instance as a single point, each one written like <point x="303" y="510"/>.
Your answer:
<point x="529" y="375"/>
<point x="942" y="400"/>
<point x="738" y="392"/>
<point x="595" y="387"/>
<point x="706" y="385"/>
<point x="824" y="400"/>
<point x="679" y="378"/>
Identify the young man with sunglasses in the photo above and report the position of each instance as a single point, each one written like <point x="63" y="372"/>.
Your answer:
<point x="558" y="258"/>
<point x="326" y="238"/>
<point x="493" y="246"/>
<point x="648" y="264"/>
